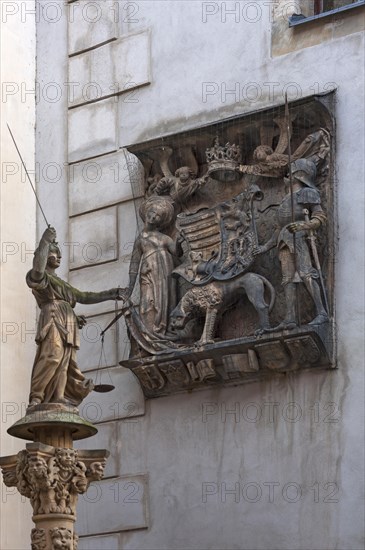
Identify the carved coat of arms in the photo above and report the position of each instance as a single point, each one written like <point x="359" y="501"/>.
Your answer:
<point x="211" y="260"/>
<point x="220" y="241"/>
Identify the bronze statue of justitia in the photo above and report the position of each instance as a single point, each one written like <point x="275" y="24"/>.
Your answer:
<point x="56" y="377"/>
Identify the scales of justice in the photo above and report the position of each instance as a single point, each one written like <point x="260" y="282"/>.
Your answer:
<point x="201" y="263"/>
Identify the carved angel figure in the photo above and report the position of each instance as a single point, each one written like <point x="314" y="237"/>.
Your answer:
<point x="181" y="187"/>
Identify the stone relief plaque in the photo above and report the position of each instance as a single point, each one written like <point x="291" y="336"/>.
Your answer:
<point x="231" y="275"/>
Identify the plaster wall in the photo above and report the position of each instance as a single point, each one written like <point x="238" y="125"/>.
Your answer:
<point x="17" y="234"/>
<point x="201" y="72"/>
<point x="183" y="454"/>
<point x="51" y="120"/>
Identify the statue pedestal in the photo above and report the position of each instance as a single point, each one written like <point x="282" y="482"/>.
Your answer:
<point x="52" y="424"/>
<point x="51" y="473"/>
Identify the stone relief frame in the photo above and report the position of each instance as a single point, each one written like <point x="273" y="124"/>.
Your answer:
<point x="239" y="348"/>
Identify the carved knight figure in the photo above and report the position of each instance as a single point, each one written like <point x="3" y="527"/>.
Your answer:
<point x="291" y="241"/>
<point x="56" y="377"/>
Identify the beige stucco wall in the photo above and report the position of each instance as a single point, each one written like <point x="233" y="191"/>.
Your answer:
<point x="17" y="233"/>
<point x="172" y="54"/>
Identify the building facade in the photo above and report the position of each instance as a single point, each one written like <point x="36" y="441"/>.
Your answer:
<point x="275" y="463"/>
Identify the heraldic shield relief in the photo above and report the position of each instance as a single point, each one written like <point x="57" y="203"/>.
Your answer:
<point x="231" y="274"/>
<point x="220" y="241"/>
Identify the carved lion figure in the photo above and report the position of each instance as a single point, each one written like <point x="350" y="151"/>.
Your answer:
<point x="213" y="299"/>
<point x="42" y="485"/>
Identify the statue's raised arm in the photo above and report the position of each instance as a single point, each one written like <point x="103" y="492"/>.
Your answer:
<point x="42" y="253"/>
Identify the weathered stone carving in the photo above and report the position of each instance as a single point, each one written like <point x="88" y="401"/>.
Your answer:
<point x="52" y="478"/>
<point x="153" y="257"/>
<point x="229" y="233"/>
<point x="95" y="471"/>
<point x="175" y="372"/>
<point x="230" y="362"/>
<point x="223" y="161"/>
<point x="238" y="364"/>
<point x="303" y="205"/>
<point x="150" y="377"/>
<point x="181" y="187"/>
<point x="52" y="485"/>
<point x="270" y="163"/>
<point x="304" y="350"/>
<point x="220" y="241"/>
<point x="56" y="377"/>
<point x="41" y="482"/>
<point x="38" y="539"/>
<point x="273" y="355"/>
<point x="62" y="539"/>
<point x="201" y="371"/>
<point x="213" y="299"/>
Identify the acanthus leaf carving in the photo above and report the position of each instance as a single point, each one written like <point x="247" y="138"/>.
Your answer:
<point x="52" y="483"/>
<point x="38" y="539"/>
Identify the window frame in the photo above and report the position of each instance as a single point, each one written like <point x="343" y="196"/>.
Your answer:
<point x="295" y="20"/>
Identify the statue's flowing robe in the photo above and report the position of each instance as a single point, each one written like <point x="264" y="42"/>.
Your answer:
<point x="158" y="294"/>
<point x="58" y="339"/>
